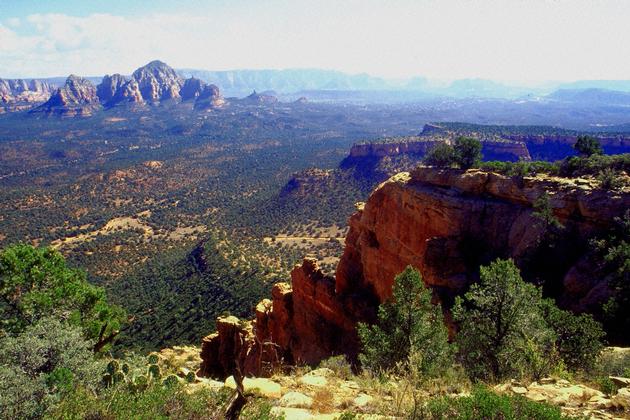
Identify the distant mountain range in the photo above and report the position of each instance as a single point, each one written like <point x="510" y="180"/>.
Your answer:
<point x="157" y="81"/>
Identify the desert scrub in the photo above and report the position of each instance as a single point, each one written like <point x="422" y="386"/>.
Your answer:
<point x="155" y="402"/>
<point x="485" y="404"/>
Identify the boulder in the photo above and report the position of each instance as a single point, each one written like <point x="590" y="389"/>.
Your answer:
<point x="295" y="400"/>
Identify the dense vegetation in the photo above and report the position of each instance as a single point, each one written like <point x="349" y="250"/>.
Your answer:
<point x="49" y="369"/>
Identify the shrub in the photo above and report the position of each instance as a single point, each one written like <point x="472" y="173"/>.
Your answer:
<point x="579" y="337"/>
<point x="544" y="213"/>
<point x="154" y="402"/>
<point x="467" y="152"/>
<point x="339" y="365"/>
<point x="441" y="156"/>
<point x="485" y="404"/>
<point x="615" y="251"/>
<point x="587" y="146"/>
<point x="609" y="179"/>
<point x="499" y="319"/>
<point x="607" y="386"/>
<point x="410" y="329"/>
<point x="40" y="364"/>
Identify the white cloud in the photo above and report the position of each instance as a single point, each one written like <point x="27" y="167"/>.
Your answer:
<point x="515" y="40"/>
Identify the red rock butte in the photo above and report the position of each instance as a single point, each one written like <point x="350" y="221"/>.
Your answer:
<point x="429" y="219"/>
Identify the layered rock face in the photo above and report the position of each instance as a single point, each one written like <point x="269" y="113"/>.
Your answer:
<point x="303" y="323"/>
<point x="154" y="83"/>
<point x="76" y="98"/>
<point x="157" y="81"/>
<point x="446" y="222"/>
<point x="16" y="94"/>
<point x="443" y="222"/>
<point x="107" y="89"/>
<point x="492" y="150"/>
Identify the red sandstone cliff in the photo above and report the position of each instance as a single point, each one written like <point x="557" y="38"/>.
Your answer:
<point x="492" y="150"/>
<point x="444" y="222"/>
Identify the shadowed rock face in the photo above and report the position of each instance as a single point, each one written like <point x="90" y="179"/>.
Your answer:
<point x="443" y="222"/>
<point x="210" y="97"/>
<point x="76" y="98"/>
<point x="191" y="89"/>
<point x="107" y="89"/>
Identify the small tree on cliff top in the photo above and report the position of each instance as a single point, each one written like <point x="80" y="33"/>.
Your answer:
<point x="410" y="329"/>
<point x="587" y="146"/>
<point x="441" y="156"/>
<point x="467" y="152"/>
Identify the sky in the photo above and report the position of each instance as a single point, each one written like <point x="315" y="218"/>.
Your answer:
<point x="525" y="41"/>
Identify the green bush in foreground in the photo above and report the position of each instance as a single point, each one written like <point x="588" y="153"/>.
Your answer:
<point x="485" y="404"/>
<point x="156" y="402"/>
<point x="39" y="366"/>
<point x="36" y="282"/>
<point x="410" y="330"/>
<point x="501" y="325"/>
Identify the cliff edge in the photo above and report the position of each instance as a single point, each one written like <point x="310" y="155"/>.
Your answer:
<point x="445" y="223"/>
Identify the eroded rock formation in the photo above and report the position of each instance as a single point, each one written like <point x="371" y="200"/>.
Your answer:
<point x="157" y="81"/>
<point x="443" y="222"/>
<point x="76" y="98"/>
<point x="109" y="87"/>
<point x="17" y="94"/>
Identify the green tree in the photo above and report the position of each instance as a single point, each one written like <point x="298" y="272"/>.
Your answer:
<point x="36" y="282"/>
<point x="500" y="321"/>
<point x="587" y="146"/>
<point x="579" y="337"/>
<point x="614" y="249"/>
<point x="544" y="213"/>
<point x="467" y="152"/>
<point x="410" y="329"/>
<point x="441" y="156"/>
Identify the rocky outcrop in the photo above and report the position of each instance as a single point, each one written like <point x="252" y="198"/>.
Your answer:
<point x="76" y="98"/>
<point x="303" y="323"/>
<point x="413" y="145"/>
<point x="306" y="182"/>
<point x="209" y="98"/>
<point x="18" y="94"/>
<point x="261" y="98"/>
<point x="191" y="89"/>
<point x="152" y="83"/>
<point x="109" y="87"/>
<point x="157" y="82"/>
<point x="445" y="223"/>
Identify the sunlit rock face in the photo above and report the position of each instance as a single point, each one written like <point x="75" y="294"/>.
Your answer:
<point x="76" y="98"/>
<point x="443" y="222"/>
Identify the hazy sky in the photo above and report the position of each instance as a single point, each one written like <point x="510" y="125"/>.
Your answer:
<point x="510" y="40"/>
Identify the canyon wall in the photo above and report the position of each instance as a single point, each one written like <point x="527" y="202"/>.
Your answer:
<point x="492" y="150"/>
<point x="443" y="222"/>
